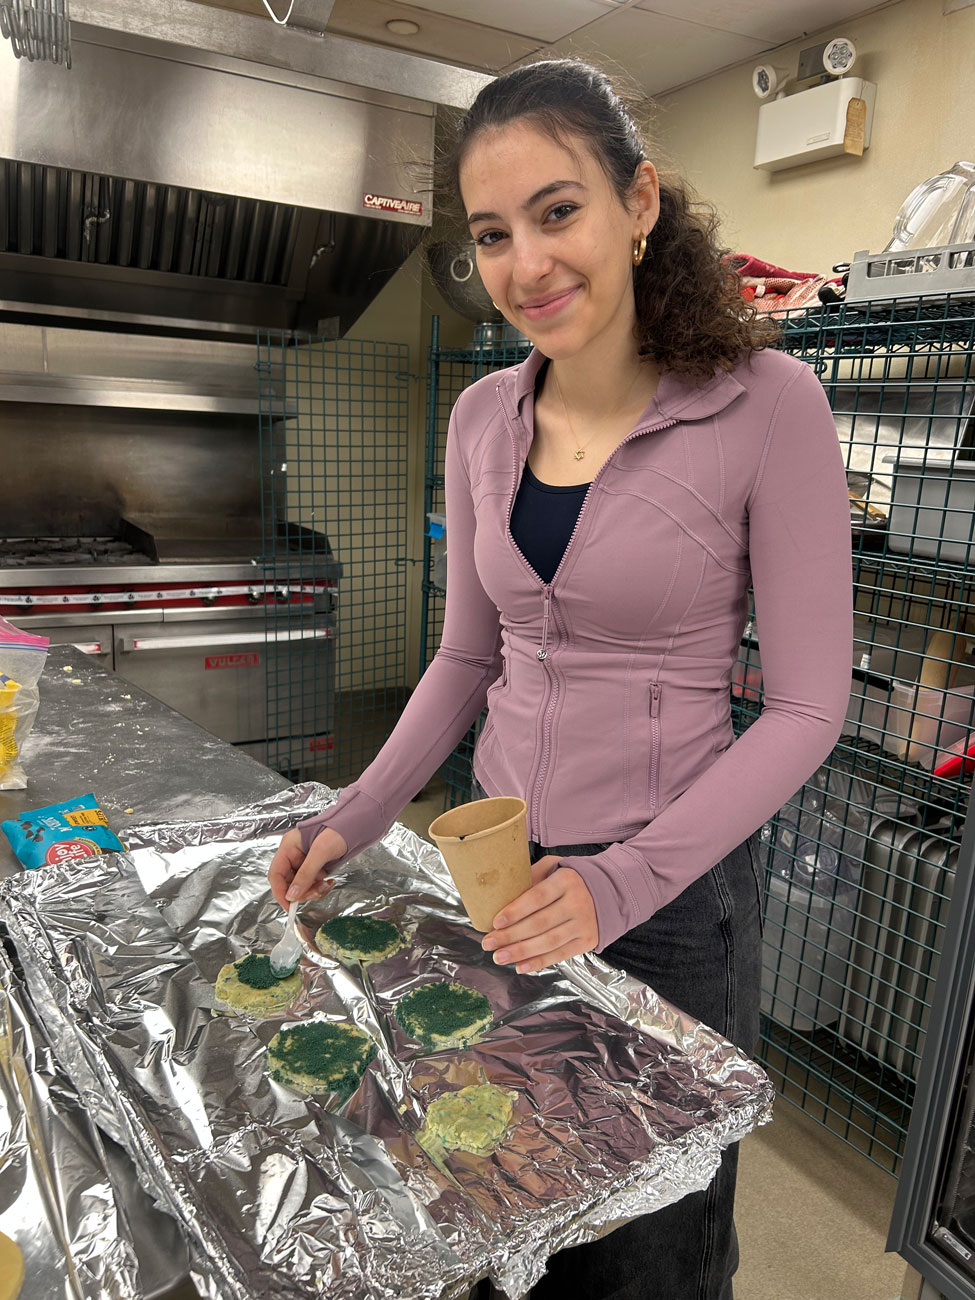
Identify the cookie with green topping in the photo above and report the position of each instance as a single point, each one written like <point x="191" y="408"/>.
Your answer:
<point x="473" y="1119"/>
<point x="362" y="939"/>
<point x="320" y="1056"/>
<point x="250" y="985"/>
<point x="444" y="1014"/>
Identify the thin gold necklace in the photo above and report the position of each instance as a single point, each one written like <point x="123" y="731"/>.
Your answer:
<point x="580" y="450"/>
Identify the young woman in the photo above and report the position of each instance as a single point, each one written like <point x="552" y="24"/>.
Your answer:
<point x="609" y="502"/>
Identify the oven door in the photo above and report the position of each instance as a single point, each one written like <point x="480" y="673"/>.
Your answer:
<point x="214" y="668"/>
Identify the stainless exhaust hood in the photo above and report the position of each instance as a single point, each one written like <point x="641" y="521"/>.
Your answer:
<point x="161" y="187"/>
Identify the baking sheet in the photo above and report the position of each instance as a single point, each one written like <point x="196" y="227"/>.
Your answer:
<point x="623" y="1104"/>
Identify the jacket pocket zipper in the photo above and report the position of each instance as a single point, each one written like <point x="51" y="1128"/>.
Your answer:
<point x="654" y="746"/>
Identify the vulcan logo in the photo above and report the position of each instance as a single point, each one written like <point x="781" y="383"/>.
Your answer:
<point x="231" y="661"/>
<point x="409" y="207"/>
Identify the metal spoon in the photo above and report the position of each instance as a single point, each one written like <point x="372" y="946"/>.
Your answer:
<point x="286" y="953"/>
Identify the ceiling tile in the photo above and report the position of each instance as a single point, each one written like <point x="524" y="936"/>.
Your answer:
<point x="772" y="21"/>
<point x="544" y="20"/>
<point x="440" y="37"/>
<point x="658" y="52"/>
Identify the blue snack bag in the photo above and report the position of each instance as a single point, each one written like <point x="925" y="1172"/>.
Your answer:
<point x="62" y="832"/>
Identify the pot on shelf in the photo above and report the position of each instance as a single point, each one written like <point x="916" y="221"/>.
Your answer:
<point x="454" y="272"/>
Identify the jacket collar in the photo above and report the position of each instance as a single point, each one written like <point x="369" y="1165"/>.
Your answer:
<point x="676" y="398"/>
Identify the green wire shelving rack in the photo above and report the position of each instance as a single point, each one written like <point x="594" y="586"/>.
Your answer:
<point x="333" y="418"/>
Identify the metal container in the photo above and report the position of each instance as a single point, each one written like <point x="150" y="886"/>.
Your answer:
<point x="907" y="880"/>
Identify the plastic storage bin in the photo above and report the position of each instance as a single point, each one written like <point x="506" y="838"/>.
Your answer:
<point x="812" y="891"/>
<point x="912" y="273"/>
<point x="807" y="941"/>
<point x="932" y="508"/>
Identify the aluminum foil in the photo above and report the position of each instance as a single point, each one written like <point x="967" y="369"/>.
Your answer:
<point x="68" y="1197"/>
<point x="623" y="1103"/>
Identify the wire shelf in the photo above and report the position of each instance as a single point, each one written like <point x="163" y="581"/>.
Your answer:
<point x="333" y="448"/>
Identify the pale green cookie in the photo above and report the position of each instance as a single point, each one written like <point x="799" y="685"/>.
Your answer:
<point x="473" y="1119"/>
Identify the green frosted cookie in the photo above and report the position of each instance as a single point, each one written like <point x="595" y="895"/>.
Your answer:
<point x="444" y="1014"/>
<point x="249" y="985"/>
<point x="320" y="1056"/>
<point x="358" y="939"/>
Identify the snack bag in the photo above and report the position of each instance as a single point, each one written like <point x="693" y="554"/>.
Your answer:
<point x="22" y="659"/>
<point x="61" y="832"/>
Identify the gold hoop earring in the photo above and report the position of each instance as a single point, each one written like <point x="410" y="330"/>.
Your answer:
<point x="639" y="250"/>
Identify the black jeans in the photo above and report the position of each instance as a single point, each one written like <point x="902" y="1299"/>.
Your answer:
<point x="703" y="953"/>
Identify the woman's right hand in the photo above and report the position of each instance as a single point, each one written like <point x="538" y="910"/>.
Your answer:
<point x="295" y="874"/>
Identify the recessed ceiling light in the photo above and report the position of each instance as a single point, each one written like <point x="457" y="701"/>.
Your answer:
<point x="402" y="27"/>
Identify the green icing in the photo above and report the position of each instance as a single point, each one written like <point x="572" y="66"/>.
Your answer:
<point x="255" y="971"/>
<point x="361" y="933"/>
<point x="443" y="1009"/>
<point x="332" y="1053"/>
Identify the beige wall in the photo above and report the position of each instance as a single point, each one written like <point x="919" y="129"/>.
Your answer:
<point x="809" y="217"/>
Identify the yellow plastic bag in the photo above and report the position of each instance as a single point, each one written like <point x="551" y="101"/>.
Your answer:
<point x="22" y="658"/>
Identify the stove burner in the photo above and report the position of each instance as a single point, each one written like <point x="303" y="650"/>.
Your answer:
<point x="33" y="552"/>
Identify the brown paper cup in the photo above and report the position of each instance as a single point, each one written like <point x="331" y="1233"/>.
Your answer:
<point x="485" y="846"/>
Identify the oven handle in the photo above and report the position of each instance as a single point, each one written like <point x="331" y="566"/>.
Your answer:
<point x="128" y="644"/>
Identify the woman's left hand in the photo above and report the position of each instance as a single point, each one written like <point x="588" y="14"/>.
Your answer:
<point x="552" y="921"/>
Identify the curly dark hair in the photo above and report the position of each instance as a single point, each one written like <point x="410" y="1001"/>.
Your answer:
<point x="691" y="316"/>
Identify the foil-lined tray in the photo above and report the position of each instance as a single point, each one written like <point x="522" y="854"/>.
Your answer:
<point x="623" y="1103"/>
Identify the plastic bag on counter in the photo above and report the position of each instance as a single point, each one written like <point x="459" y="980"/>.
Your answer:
<point x="22" y="658"/>
<point x="61" y="832"/>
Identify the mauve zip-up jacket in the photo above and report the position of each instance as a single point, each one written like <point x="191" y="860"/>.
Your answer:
<point x="608" y="689"/>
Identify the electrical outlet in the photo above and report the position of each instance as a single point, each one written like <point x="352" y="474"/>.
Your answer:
<point x="811" y="61"/>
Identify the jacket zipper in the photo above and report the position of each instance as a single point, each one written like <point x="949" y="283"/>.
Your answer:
<point x="547" y="611"/>
<point x="654" y="745"/>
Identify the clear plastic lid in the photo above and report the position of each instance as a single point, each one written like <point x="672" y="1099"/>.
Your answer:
<point x="939" y="211"/>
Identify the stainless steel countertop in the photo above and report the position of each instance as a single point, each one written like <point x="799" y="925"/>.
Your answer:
<point x="144" y="762"/>
<point x="96" y="732"/>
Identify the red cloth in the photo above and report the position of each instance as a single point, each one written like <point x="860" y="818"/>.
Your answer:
<point x="745" y="264"/>
<point x="773" y="290"/>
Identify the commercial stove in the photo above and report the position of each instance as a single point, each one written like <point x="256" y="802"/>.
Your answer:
<point x="200" y="613"/>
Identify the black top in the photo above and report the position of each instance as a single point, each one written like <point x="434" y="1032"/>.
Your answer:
<point x="542" y="520"/>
